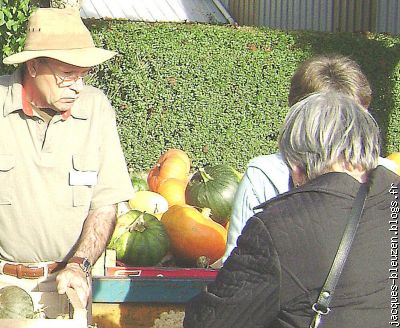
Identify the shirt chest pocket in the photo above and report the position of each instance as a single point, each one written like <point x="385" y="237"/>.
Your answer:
<point x="83" y="178"/>
<point x="7" y="164"/>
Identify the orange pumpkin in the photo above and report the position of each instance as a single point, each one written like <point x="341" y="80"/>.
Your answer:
<point x="194" y="234"/>
<point x="170" y="168"/>
<point x="173" y="152"/>
<point x="173" y="191"/>
<point x="172" y="164"/>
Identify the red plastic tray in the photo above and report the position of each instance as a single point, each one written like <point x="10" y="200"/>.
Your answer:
<point x="160" y="272"/>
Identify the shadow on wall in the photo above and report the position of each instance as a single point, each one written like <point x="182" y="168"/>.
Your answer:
<point x="379" y="58"/>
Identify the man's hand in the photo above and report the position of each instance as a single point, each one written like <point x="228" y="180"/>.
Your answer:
<point x="73" y="276"/>
<point x="97" y="229"/>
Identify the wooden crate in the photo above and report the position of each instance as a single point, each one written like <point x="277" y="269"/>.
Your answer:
<point x="68" y="304"/>
<point x="126" y="297"/>
<point x="121" y="284"/>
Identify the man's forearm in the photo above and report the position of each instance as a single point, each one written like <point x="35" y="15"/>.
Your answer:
<point x="97" y="229"/>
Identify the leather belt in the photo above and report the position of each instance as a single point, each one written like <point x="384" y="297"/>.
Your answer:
<point x="31" y="271"/>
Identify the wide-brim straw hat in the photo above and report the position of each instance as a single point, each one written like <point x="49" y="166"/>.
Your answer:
<point x="62" y="35"/>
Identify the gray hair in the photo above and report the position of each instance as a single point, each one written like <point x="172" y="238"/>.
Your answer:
<point x="329" y="128"/>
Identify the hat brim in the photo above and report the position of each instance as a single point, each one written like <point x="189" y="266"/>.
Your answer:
<point x="85" y="57"/>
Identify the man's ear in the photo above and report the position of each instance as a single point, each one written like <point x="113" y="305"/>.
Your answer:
<point x="298" y="175"/>
<point x="31" y="67"/>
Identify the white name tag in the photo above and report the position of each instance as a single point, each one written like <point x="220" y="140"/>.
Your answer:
<point x="83" y="178"/>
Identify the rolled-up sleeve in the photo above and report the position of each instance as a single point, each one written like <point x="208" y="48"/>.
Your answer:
<point x="113" y="185"/>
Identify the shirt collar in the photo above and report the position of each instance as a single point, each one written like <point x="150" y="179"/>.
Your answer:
<point x="26" y="105"/>
<point x="28" y="110"/>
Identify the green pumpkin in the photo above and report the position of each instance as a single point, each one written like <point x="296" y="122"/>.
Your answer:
<point x="214" y="187"/>
<point x="15" y="303"/>
<point x="139" y="239"/>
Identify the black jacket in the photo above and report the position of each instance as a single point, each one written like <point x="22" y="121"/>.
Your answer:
<point x="285" y="252"/>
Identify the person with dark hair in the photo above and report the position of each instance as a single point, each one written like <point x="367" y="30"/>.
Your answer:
<point x="62" y="169"/>
<point x="274" y="276"/>
<point x="267" y="175"/>
<point x="330" y="72"/>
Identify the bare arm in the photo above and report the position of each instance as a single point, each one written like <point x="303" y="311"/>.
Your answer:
<point x="96" y="232"/>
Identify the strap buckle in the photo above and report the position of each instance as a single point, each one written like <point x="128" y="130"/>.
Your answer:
<point x="319" y="312"/>
<point x="41" y="265"/>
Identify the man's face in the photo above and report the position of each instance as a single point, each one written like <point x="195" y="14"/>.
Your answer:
<point x="57" y="84"/>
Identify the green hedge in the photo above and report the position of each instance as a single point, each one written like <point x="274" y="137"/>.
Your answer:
<point x="216" y="92"/>
<point x="13" y="18"/>
<point x="220" y="92"/>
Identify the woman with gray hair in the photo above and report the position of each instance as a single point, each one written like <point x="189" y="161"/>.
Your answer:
<point x="326" y="133"/>
<point x="275" y="274"/>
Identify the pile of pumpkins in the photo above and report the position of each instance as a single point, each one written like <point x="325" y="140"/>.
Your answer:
<point x="176" y="212"/>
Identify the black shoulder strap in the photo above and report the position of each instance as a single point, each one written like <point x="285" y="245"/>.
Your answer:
<point x="321" y="307"/>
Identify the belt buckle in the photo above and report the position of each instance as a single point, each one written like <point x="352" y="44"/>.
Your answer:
<point x="44" y="266"/>
<point x="32" y="266"/>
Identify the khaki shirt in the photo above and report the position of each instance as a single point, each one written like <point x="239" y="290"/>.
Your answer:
<point x="51" y="176"/>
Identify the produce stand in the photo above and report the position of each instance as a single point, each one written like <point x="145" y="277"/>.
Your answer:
<point x="135" y="296"/>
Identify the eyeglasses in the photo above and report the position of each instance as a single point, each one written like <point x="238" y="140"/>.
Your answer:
<point x="65" y="80"/>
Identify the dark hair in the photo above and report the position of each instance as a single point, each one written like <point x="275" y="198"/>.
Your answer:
<point x="330" y="73"/>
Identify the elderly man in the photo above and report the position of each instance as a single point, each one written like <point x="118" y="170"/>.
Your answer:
<point x="62" y="169"/>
